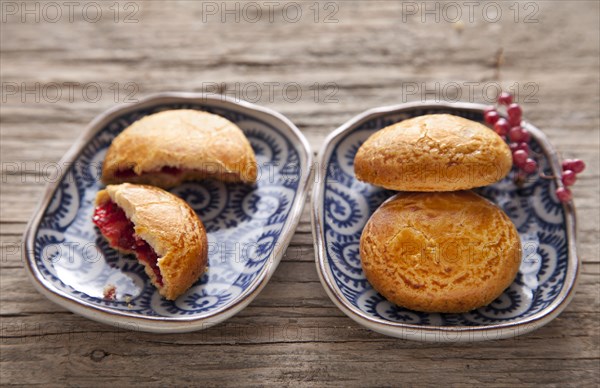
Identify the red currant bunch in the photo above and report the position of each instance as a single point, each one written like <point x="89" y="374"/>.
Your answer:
<point x="510" y="129"/>
<point x="518" y="138"/>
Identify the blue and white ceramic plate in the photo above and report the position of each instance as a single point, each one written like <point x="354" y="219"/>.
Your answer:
<point x="249" y="226"/>
<point x="342" y="205"/>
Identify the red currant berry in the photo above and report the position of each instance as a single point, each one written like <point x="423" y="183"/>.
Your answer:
<point x="491" y="117"/>
<point x="577" y="166"/>
<point x="505" y="98"/>
<point x="514" y="122"/>
<point x="519" y="134"/>
<point x="520" y="157"/>
<point x="501" y="127"/>
<point x="566" y="164"/>
<point x="519" y="146"/>
<point x="563" y="194"/>
<point x="523" y="146"/>
<point x="514" y="110"/>
<point x="516" y="134"/>
<point x="530" y="166"/>
<point x="568" y="178"/>
<point x="514" y="114"/>
<point x="489" y="109"/>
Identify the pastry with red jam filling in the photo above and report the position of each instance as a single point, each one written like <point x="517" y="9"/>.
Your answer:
<point x="158" y="227"/>
<point x="167" y="148"/>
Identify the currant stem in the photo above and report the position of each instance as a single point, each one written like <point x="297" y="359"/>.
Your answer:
<point x="544" y="176"/>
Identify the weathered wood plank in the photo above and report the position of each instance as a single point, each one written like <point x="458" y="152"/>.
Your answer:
<point x="292" y="334"/>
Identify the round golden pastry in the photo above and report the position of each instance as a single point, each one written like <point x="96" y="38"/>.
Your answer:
<point x="439" y="152"/>
<point x="440" y="252"/>
<point x="171" y="228"/>
<point x="169" y="147"/>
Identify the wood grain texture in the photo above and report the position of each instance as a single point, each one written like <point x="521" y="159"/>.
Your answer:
<point x="292" y="334"/>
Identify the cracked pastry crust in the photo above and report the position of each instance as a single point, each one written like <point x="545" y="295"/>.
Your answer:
<point x="196" y="144"/>
<point x="440" y="252"/>
<point x="438" y="152"/>
<point x="170" y="226"/>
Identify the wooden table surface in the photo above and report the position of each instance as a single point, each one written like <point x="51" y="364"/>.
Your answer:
<point x="61" y="70"/>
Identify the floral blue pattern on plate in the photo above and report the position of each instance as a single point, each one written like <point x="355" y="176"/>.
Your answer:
<point x="342" y="205"/>
<point x="248" y="226"/>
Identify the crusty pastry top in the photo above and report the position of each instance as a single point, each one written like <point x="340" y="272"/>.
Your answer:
<point x="440" y="252"/>
<point x="170" y="226"/>
<point x="184" y="139"/>
<point x="438" y="152"/>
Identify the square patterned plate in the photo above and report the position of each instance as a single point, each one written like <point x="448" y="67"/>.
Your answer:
<point x="249" y="226"/>
<point x="341" y="205"/>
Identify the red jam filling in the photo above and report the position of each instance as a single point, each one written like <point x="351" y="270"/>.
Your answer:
<point x="129" y="173"/>
<point x="119" y="231"/>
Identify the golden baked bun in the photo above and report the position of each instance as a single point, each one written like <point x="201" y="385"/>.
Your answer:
<point x="440" y="252"/>
<point x="437" y="152"/>
<point x="169" y="147"/>
<point x="160" y="229"/>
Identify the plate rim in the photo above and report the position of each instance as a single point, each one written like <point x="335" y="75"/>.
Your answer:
<point x="436" y="333"/>
<point x="131" y="321"/>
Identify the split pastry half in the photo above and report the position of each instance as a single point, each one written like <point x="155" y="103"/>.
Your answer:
<point x="169" y="147"/>
<point x="159" y="228"/>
